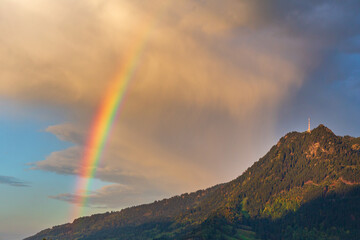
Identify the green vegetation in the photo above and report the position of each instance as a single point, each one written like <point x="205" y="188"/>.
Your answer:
<point x="306" y="187"/>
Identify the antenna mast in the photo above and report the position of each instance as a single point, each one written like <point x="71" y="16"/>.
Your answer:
<point x="309" y="126"/>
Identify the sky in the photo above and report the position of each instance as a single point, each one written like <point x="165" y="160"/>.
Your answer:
<point x="216" y="84"/>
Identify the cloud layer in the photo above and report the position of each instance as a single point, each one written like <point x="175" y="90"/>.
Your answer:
<point x="12" y="181"/>
<point x="202" y="104"/>
<point x="114" y="196"/>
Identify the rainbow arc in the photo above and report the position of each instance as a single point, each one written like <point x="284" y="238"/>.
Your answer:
<point x="104" y="118"/>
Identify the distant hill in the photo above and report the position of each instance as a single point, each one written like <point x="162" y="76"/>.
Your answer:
<point x="306" y="187"/>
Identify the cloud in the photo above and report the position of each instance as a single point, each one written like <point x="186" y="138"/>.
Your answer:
<point x="204" y="99"/>
<point x="68" y="132"/>
<point x="127" y="161"/>
<point x="12" y="181"/>
<point x="114" y="196"/>
<point x="51" y="54"/>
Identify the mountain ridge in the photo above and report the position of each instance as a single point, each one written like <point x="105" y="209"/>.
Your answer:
<point x="300" y="169"/>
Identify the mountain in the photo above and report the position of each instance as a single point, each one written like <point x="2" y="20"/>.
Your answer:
<point x="306" y="187"/>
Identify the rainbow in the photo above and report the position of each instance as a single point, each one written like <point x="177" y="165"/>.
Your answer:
<point x="104" y="119"/>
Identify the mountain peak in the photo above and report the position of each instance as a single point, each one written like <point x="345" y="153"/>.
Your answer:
<point x="322" y="129"/>
<point x="322" y="132"/>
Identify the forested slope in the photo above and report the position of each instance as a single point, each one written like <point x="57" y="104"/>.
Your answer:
<point x="305" y="187"/>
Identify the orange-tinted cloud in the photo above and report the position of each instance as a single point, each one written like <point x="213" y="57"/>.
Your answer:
<point x="203" y="101"/>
